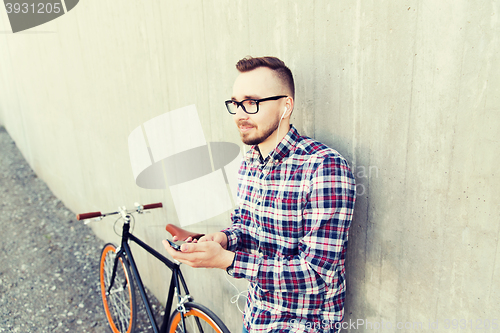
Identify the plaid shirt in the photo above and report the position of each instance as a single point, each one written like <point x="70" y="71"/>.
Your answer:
<point x="289" y="233"/>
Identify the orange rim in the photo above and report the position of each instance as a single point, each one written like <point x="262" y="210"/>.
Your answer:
<point x="103" y="290"/>
<point x="193" y="312"/>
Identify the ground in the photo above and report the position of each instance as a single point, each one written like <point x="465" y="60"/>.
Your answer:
<point x="49" y="277"/>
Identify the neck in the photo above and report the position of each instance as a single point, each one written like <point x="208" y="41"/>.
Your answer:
<point x="274" y="139"/>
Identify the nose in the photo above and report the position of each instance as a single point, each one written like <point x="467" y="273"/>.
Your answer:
<point x="240" y="114"/>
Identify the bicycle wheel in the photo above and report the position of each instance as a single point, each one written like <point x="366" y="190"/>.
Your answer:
<point x="198" y="318"/>
<point x="119" y="303"/>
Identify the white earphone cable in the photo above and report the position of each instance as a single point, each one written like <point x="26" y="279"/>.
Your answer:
<point x="235" y="298"/>
<point x="279" y="124"/>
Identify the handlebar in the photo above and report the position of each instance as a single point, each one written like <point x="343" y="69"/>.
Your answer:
<point x="152" y="206"/>
<point x="85" y="216"/>
<point x="137" y="209"/>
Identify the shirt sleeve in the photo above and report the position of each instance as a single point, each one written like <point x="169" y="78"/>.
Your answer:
<point x="326" y="218"/>
<point x="233" y="233"/>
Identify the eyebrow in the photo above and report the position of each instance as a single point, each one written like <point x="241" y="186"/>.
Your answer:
<point x="246" y="97"/>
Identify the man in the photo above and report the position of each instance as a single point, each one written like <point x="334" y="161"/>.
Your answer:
<point x="295" y="202"/>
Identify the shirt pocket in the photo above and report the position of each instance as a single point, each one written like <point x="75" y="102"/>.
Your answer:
<point x="286" y="216"/>
<point x="290" y="202"/>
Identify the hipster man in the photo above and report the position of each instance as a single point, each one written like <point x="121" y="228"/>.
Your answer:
<point x="289" y="230"/>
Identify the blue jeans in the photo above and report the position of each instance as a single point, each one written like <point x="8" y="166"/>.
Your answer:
<point x="244" y="330"/>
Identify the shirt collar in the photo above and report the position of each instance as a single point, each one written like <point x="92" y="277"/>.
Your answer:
<point x="281" y="151"/>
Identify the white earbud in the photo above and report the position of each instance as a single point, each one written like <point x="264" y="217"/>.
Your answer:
<point x="283" y="113"/>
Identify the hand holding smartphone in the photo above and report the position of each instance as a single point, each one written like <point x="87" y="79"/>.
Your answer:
<point x="173" y="245"/>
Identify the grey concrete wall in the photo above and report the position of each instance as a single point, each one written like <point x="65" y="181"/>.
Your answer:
<point x="407" y="91"/>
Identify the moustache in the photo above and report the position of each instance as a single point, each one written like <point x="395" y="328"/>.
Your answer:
<point x="245" y="123"/>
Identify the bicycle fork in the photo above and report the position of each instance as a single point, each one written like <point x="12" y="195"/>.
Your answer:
<point x="113" y="275"/>
<point x="181" y="300"/>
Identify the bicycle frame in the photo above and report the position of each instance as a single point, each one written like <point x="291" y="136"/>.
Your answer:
<point x="174" y="289"/>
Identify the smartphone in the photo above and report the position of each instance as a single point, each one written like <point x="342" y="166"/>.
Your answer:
<point x="175" y="246"/>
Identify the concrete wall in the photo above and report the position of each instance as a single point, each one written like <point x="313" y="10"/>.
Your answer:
<point x="407" y="91"/>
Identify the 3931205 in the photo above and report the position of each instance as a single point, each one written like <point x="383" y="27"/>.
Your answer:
<point x="39" y="8"/>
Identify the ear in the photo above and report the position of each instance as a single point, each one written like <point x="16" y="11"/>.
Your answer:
<point x="288" y="107"/>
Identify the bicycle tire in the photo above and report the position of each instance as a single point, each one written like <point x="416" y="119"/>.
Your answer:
<point x="207" y="319"/>
<point x="119" y="305"/>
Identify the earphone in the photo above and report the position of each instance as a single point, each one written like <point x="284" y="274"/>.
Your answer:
<point x="286" y="109"/>
<point x="279" y="124"/>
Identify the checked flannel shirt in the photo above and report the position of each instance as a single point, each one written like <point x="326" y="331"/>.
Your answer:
<point x="289" y="233"/>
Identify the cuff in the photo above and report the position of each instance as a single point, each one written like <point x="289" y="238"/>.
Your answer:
<point x="230" y="268"/>
<point x="232" y="240"/>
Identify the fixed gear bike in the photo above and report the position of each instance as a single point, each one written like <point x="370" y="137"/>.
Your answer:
<point x="116" y="269"/>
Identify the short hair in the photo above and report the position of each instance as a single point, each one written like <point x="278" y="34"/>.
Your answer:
<point x="283" y="73"/>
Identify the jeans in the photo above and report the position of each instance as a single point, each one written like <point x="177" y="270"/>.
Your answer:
<point x="333" y="330"/>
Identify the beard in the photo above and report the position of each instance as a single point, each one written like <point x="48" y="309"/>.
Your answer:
<point x="259" y="137"/>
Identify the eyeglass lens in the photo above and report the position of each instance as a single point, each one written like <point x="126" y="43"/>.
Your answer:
<point x="250" y="106"/>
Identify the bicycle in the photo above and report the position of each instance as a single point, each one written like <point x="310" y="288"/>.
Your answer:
<point x="117" y="286"/>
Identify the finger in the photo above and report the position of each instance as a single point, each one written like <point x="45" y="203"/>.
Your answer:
<point x="175" y="238"/>
<point x="191" y="247"/>
<point x="203" y="239"/>
<point x="186" y="247"/>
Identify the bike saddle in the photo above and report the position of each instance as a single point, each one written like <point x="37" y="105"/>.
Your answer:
<point x="181" y="233"/>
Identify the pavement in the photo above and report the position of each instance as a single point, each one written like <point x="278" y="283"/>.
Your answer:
<point x="49" y="261"/>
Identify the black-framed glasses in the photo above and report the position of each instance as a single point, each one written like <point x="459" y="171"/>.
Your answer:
<point x="250" y="106"/>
